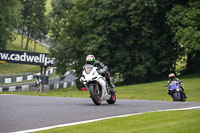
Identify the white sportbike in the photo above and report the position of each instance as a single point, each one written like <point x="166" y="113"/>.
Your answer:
<point x="97" y="85"/>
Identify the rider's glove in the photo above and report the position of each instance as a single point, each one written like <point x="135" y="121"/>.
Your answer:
<point x="101" y="71"/>
<point x="81" y="79"/>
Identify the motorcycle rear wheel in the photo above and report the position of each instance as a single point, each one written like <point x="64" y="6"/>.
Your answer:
<point x="96" y="98"/>
<point x="112" y="99"/>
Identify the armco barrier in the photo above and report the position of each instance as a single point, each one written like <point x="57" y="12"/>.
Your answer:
<point x="19" y="88"/>
<point x="61" y="85"/>
<point x="12" y="79"/>
<point x="14" y="88"/>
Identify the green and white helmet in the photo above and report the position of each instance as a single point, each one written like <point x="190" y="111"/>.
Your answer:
<point x="90" y="58"/>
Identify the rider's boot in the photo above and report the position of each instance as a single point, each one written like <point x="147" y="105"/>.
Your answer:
<point x="184" y="95"/>
<point x="111" y="87"/>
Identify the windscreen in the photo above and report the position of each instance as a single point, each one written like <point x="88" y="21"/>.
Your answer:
<point x="173" y="83"/>
<point x="88" y="68"/>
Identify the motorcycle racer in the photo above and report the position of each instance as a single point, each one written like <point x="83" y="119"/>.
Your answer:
<point x="172" y="77"/>
<point x="90" y="59"/>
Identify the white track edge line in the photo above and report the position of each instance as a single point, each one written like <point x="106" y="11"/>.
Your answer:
<point x="7" y="94"/>
<point x="93" y="120"/>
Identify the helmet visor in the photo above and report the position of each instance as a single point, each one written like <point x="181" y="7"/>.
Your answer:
<point x="172" y="77"/>
<point x="90" y="62"/>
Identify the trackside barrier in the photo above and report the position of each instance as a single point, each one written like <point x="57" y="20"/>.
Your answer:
<point x="19" y="88"/>
<point x="7" y="80"/>
<point x="61" y="85"/>
<point x="14" y="88"/>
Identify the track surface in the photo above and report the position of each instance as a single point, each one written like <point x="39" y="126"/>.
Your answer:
<point x="18" y="112"/>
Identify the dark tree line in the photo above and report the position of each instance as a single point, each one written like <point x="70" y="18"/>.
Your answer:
<point x="184" y="20"/>
<point x="142" y="39"/>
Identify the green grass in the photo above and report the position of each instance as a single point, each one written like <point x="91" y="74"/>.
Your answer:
<point x="9" y="68"/>
<point x="157" y="91"/>
<point x="146" y="91"/>
<point x="187" y="121"/>
<point x="16" y="45"/>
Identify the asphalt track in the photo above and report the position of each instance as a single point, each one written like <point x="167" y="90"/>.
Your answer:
<point x="19" y="112"/>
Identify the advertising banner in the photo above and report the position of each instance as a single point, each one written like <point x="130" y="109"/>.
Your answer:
<point x="22" y="57"/>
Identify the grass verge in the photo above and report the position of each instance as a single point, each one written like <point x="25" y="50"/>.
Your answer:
<point x="157" y="91"/>
<point x="186" y="121"/>
<point x="146" y="91"/>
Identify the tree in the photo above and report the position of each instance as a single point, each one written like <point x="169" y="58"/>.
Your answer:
<point x="130" y="37"/>
<point x="61" y="49"/>
<point x="184" y="20"/>
<point x="9" y="20"/>
<point x="34" y="20"/>
<point x="27" y="25"/>
<point x="40" y="26"/>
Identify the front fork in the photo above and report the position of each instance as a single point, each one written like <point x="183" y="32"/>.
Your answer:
<point x="104" y="88"/>
<point x="96" y="86"/>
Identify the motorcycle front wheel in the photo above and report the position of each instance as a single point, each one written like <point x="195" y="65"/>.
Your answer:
<point x="95" y="94"/>
<point x="175" y="96"/>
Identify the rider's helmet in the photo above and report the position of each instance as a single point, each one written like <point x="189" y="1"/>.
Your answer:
<point x="171" y="76"/>
<point x="90" y="59"/>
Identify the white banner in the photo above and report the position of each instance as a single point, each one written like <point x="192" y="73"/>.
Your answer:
<point x="12" y="88"/>
<point x="7" y="80"/>
<point x="29" y="77"/>
<point x="56" y="86"/>
<point x="19" y="79"/>
<point x="25" y="87"/>
<point x="65" y="85"/>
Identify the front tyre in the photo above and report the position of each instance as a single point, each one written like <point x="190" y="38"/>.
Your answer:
<point x="112" y="99"/>
<point x="179" y="96"/>
<point x="175" y="96"/>
<point x="95" y="94"/>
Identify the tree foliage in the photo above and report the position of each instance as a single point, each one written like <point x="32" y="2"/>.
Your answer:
<point x="130" y="37"/>
<point x="184" y="21"/>
<point x="9" y="20"/>
<point x="34" y="20"/>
